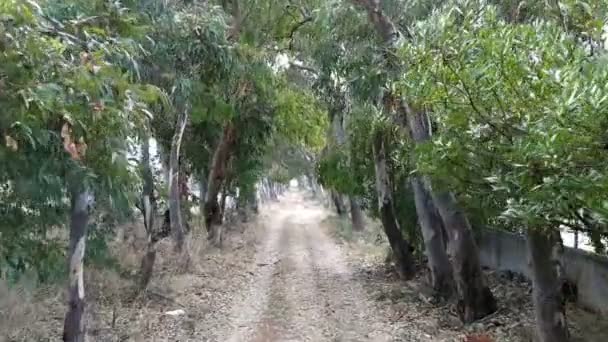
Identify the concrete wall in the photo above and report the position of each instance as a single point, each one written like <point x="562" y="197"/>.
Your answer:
<point x="507" y="252"/>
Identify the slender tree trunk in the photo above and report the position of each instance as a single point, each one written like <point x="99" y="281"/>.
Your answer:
<point x="475" y="298"/>
<point x="548" y="302"/>
<point x="312" y="185"/>
<point x="184" y="192"/>
<point x="148" y="207"/>
<point x="356" y="214"/>
<point x="262" y="191"/>
<point x="74" y="326"/>
<point x="401" y="248"/>
<point x="272" y="189"/>
<point x="223" y="204"/>
<point x="242" y="207"/>
<point x="217" y="177"/>
<point x="267" y="190"/>
<point x="177" y="227"/>
<point x="203" y="191"/>
<point x="281" y="189"/>
<point x="164" y="163"/>
<point x="338" y="202"/>
<point x="434" y="242"/>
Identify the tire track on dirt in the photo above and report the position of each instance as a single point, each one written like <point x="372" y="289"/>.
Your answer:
<point x="247" y="309"/>
<point x="306" y="290"/>
<point x="352" y="313"/>
<point x="275" y="324"/>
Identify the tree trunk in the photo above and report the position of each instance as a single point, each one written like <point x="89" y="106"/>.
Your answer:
<point x="434" y="242"/>
<point x="312" y="185"/>
<point x="74" y="325"/>
<point x="148" y="207"/>
<point x="261" y="189"/>
<point x="147" y="265"/>
<point x="279" y="190"/>
<point x="272" y="189"/>
<point x="223" y="204"/>
<point x="242" y="207"/>
<point x="184" y="192"/>
<point x="475" y="298"/>
<point x="253" y="203"/>
<point x="267" y="190"/>
<point x="400" y="247"/>
<point x="203" y="191"/>
<point x="356" y="214"/>
<point x="548" y="302"/>
<point x="177" y="227"/>
<point x="217" y="177"/>
<point x="339" y="203"/>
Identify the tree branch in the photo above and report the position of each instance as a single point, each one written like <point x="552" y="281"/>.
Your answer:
<point x="304" y="67"/>
<point x="296" y="27"/>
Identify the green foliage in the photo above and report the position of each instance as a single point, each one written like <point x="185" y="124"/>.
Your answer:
<point x="334" y="171"/>
<point x="300" y="118"/>
<point x="521" y="112"/>
<point x="516" y="91"/>
<point x="58" y="71"/>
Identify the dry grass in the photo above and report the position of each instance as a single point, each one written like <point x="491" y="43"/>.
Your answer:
<point x="17" y="309"/>
<point x="114" y="313"/>
<point x="513" y="322"/>
<point x="30" y="315"/>
<point x="369" y="245"/>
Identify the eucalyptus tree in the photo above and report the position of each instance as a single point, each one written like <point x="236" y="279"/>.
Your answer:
<point x="520" y="107"/>
<point x="73" y="104"/>
<point x="191" y="58"/>
<point x="338" y="47"/>
<point x="475" y="298"/>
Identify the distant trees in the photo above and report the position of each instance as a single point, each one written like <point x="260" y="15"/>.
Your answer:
<point x="86" y="84"/>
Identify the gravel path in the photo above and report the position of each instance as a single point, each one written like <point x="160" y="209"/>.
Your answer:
<point x="304" y="289"/>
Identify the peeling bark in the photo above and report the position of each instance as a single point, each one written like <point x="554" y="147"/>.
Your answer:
<point x="401" y="248"/>
<point x="217" y="177"/>
<point x="177" y="227"/>
<point x="547" y="295"/>
<point x="148" y="207"/>
<point x="434" y="242"/>
<point x="74" y="326"/>
<point x="475" y="298"/>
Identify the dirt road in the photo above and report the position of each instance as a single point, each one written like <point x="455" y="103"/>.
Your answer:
<point x="280" y="278"/>
<point x="304" y="289"/>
